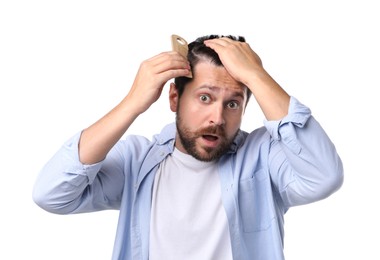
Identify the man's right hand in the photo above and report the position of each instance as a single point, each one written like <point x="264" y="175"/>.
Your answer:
<point x="152" y="77"/>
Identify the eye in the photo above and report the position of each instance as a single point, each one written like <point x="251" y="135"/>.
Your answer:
<point x="205" y="98"/>
<point x="233" y="105"/>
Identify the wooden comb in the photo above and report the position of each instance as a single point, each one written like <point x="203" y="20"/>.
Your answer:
<point x="179" y="45"/>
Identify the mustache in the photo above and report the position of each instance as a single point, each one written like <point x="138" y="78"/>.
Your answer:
<point x="211" y="130"/>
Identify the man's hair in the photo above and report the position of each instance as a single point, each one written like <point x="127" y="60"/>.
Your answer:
<point x="198" y="51"/>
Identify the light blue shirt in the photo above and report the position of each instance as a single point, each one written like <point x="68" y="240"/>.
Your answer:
<point x="286" y="163"/>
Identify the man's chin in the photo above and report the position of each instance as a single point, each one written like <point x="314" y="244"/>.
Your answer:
<point x="206" y="154"/>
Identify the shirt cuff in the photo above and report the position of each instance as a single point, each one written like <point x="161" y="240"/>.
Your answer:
<point x="284" y="129"/>
<point x="76" y="166"/>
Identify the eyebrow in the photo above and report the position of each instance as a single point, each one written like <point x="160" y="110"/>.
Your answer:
<point x="237" y="93"/>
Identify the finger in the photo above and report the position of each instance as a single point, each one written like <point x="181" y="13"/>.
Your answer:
<point x="165" y="61"/>
<point x="175" y="73"/>
<point x="171" y="59"/>
<point x="166" y="55"/>
<point x="168" y="69"/>
<point x="224" y="41"/>
<point x="170" y="65"/>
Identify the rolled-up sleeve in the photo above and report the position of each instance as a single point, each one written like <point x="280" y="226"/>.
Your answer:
<point x="303" y="162"/>
<point x="64" y="184"/>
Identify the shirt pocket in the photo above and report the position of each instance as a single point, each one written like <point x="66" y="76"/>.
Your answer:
<point x="256" y="208"/>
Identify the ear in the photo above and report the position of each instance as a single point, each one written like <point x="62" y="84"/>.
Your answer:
<point x="173" y="97"/>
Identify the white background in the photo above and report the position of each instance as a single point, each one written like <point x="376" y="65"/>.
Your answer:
<point x="64" y="64"/>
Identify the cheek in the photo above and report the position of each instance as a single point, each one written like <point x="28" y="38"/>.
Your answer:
<point x="188" y="117"/>
<point x="191" y="113"/>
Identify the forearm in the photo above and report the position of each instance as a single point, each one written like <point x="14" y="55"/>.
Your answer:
<point x="98" y="139"/>
<point x="271" y="97"/>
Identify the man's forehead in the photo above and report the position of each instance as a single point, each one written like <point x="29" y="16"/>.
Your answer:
<point x="235" y="90"/>
<point x="214" y="77"/>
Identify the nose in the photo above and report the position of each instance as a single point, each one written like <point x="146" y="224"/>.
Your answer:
<point x="216" y="115"/>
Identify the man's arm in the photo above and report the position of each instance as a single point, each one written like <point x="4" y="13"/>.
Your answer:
<point x="245" y="66"/>
<point x="304" y="163"/>
<point x="63" y="184"/>
<point x="97" y="140"/>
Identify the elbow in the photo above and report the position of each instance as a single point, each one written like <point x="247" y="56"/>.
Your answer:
<point x="313" y="189"/>
<point x="331" y="182"/>
<point x="42" y="201"/>
<point x="334" y="180"/>
<point x="339" y="176"/>
<point x="48" y="203"/>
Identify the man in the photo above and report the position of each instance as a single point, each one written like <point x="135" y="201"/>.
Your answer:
<point x="202" y="188"/>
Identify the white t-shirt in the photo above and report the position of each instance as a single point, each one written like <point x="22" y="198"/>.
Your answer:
<point x="188" y="220"/>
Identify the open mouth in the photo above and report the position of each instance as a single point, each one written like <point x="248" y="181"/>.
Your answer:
<point x="210" y="138"/>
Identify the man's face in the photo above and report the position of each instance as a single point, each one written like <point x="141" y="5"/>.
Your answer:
<point x="209" y="112"/>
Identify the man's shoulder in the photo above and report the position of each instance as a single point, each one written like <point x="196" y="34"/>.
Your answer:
<point x="167" y="134"/>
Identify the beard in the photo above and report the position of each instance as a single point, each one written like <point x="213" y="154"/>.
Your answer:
<point x="206" y="154"/>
